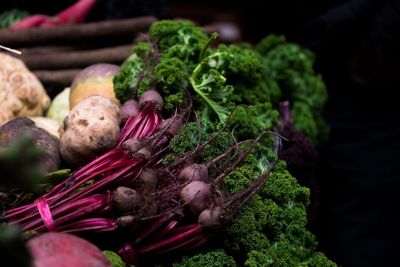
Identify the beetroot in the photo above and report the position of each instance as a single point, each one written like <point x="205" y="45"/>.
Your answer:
<point x="197" y="195"/>
<point x="153" y="97"/>
<point x="194" y="172"/>
<point x="129" y="109"/>
<point x="65" y="250"/>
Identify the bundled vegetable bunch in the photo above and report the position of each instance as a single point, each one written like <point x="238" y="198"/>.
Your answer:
<point x="195" y="168"/>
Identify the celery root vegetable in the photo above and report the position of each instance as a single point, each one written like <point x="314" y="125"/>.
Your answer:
<point x="21" y="93"/>
<point x="90" y="129"/>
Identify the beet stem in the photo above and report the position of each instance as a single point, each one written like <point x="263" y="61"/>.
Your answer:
<point x="154" y="227"/>
<point x="172" y="241"/>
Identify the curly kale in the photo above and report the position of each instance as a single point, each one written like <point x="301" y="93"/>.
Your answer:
<point x="135" y="74"/>
<point x="270" y="230"/>
<point x="304" y="121"/>
<point x="283" y="188"/>
<point x="246" y="232"/>
<point x="300" y="155"/>
<point x="138" y="73"/>
<point x="290" y="67"/>
<point x="188" y="139"/>
<point x="179" y="38"/>
<point x="287" y="56"/>
<point x="250" y="121"/>
<point x="11" y="16"/>
<point x="213" y="258"/>
<point x="269" y="42"/>
<point x="214" y="94"/>
<point x="244" y="70"/>
<point x="114" y="258"/>
<point x="317" y="259"/>
<point x="171" y="78"/>
<point x="248" y="84"/>
<point x="281" y="254"/>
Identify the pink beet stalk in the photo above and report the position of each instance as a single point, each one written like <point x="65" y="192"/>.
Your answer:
<point x="143" y="125"/>
<point x="76" y="13"/>
<point x="193" y="231"/>
<point x="30" y="21"/>
<point x="67" y="213"/>
<point x="90" y="224"/>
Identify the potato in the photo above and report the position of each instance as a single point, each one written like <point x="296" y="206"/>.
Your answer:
<point x="90" y="129"/>
<point x="96" y="79"/>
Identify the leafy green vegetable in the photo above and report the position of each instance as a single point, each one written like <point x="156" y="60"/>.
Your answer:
<point x="210" y="86"/>
<point x="188" y="139"/>
<point x="248" y="84"/>
<point x="19" y="165"/>
<point x="244" y="70"/>
<point x="127" y="80"/>
<point x="13" y="251"/>
<point x="113" y="257"/>
<point x="290" y="67"/>
<point x="180" y="39"/>
<point x="214" y="258"/>
<point x="171" y="76"/>
<point x="9" y="17"/>
<point x="250" y="121"/>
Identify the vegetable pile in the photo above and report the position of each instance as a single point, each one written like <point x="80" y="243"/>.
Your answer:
<point x="195" y="168"/>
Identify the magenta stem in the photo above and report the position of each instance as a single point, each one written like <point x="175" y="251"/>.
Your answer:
<point x="153" y="227"/>
<point x="190" y="244"/>
<point x="172" y="241"/>
<point x="73" y="210"/>
<point x="91" y="224"/>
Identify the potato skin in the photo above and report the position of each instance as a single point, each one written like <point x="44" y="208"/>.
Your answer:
<point x="90" y="129"/>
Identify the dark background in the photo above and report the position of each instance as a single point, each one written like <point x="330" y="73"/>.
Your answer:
<point x="256" y="18"/>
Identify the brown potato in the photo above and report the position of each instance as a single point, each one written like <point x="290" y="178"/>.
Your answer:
<point x="90" y="129"/>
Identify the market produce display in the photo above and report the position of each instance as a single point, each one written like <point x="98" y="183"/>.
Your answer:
<point x="206" y="159"/>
